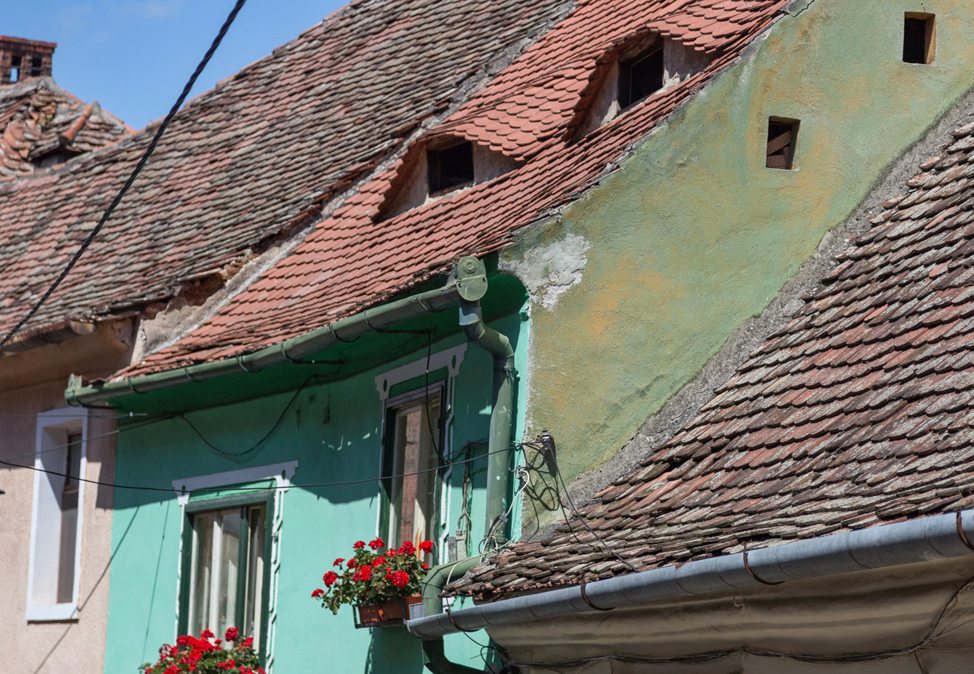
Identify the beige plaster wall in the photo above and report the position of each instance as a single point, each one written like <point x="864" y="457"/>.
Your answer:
<point x="30" y="383"/>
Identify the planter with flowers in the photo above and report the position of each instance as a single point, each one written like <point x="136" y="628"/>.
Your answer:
<point x="379" y="584"/>
<point x="206" y="656"/>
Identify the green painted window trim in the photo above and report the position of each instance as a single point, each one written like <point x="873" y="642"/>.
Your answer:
<point x="231" y="497"/>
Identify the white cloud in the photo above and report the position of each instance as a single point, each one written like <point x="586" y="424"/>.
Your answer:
<point x="73" y="17"/>
<point x="161" y="9"/>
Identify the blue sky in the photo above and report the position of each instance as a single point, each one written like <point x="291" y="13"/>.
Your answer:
<point x="134" y="56"/>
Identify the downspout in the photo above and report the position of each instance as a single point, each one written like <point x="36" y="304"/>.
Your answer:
<point x="499" y="449"/>
<point x="471" y="286"/>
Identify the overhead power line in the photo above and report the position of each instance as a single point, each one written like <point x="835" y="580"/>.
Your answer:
<point x="128" y="183"/>
<point x="344" y="483"/>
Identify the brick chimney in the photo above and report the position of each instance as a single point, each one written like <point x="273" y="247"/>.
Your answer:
<point x="21" y="59"/>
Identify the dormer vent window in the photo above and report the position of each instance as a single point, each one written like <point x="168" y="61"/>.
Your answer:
<point x="647" y="65"/>
<point x="641" y="77"/>
<point x="782" y="141"/>
<point x="919" y="38"/>
<point x="450" y="167"/>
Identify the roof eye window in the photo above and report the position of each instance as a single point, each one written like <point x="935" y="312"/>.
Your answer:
<point x="641" y="76"/>
<point x="450" y="167"/>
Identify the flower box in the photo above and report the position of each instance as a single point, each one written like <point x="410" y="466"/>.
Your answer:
<point x="385" y="614"/>
<point x="379" y="583"/>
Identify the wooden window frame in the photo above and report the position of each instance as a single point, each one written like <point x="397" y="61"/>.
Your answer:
<point x="393" y="405"/>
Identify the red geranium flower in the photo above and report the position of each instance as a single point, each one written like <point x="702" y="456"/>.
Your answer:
<point x="379" y="561"/>
<point x="330" y="578"/>
<point x="426" y="546"/>
<point x="425" y="566"/>
<point x="352" y="563"/>
<point x="400" y="579"/>
<point x="338" y="561"/>
<point x="407" y="548"/>
<point x="377" y="543"/>
<point x="317" y="593"/>
<point x="207" y="634"/>
<point x="359" y="544"/>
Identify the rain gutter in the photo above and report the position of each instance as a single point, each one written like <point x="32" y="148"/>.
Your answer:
<point x="926" y="539"/>
<point x="471" y="288"/>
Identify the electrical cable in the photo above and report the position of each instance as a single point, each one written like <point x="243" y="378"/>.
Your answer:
<point x="544" y="447"/>
<point x="131" y="179"/>
<point x="90" y="438"/>
<point x="426" y="394"/>
<point x="268" y="488"/>
<point x="268" y="434"/>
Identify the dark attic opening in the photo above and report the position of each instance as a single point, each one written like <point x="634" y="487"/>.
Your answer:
<point x="918" y="38"/>
<point x="641" y="76"/>
<point x="450" y="167"/>
<point x="782" y="140"/>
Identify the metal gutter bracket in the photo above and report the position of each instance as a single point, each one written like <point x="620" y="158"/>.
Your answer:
<point x="471" y="277"/>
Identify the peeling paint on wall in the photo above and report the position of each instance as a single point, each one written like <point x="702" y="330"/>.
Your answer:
<point x="548" y="271"/>
<point x="693" y="235"/>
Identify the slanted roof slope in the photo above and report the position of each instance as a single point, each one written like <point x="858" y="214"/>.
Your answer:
<point x="38" y="118"/>
<point x="859" y="411"/>
<point x="255" y="157"/>
<point x="355" y="258"/>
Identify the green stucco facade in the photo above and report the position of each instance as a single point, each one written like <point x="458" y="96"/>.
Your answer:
<point x="693" y="235"/>
<point x="686" y="241"/>
<point x="333" y="430"/>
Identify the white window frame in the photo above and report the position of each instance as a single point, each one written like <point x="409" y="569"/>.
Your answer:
<point x="451" y="359"/>
<point x="282" y="474"/>
<point x="53" y="427"/>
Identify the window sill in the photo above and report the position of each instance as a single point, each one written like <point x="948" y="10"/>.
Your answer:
<point x="52" y="612"/>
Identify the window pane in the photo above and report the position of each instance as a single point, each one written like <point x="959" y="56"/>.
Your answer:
<point x="202" y="563"/>
<point x="69" y="520"/>
<point x="229" y="562"/>
<point x="253" y="602"/>
<point x="227" y="571"/>
<point x="412" y="495"/>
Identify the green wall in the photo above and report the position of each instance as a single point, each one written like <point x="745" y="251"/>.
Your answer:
<point x="333" y="431"/>
<point x="694" y="235"/>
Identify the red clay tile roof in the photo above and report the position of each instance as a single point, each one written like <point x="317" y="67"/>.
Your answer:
<point x="253" y="158"/>
<point x="355" y="258"/>
<point x="860" y="411"/>
<point x="38" y="118"/>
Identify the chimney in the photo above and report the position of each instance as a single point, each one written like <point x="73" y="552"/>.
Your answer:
<point x="21" y="59"/>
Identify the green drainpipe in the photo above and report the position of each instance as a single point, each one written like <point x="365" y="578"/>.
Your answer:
<point x="472" y="280"/>
<point x="499" y="446"/>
